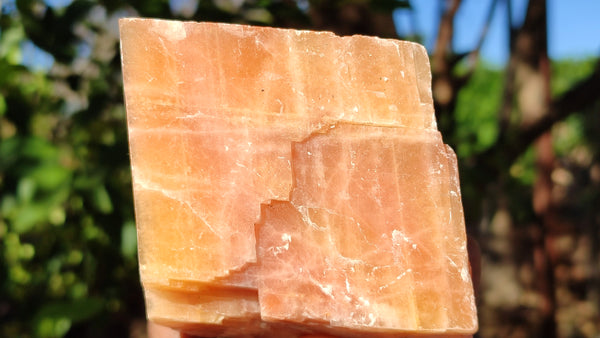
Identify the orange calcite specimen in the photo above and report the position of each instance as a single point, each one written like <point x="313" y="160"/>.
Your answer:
<point x="291" y="182"/>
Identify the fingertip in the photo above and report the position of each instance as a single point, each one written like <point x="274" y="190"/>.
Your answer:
<point x="159" y="331"/>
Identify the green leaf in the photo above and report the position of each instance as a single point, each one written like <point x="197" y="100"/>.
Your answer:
<point x="53" y="327"/>
<point x="487" y="134"/>
<point x="568" y="134"/>
<point x="36" y="148"/>
<point x="10" y="41"/>
<point x="57" y="216"/>
<point x="9" y="152"/>
<point x="75" y="311"/>
<point x="12" y="247"/>
<point x="259" y="15"/>
<point x="27" y="217"/>
<point x="8" y="205"/>
<point x="87" y="182"/>
<point x="523" y="170"/>
<point x="75" y="257"/>
<point x="50" y="177"/>
<point x="3" y="229"/>
<point x="19" y="275"/>
<point x="79" y="290"/>
<point x="128" y="240"/>
<point x="2" y="105"/>
<point x="101" y="200"/>
<point x="26" y="189"/>
<point x="26" y="251"/>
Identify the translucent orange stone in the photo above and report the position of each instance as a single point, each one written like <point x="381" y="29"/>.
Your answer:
<point x="291" y="182"/>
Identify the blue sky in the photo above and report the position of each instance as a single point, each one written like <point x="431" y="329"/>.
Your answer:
<point x="573" y="32"/>
<point x="574" y="28"/>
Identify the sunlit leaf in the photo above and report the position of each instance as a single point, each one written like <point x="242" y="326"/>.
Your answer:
<point x="53" y="327"/>
<point x="50" y="177"/>
<point x="75" y="257"/>
<point x="79" y="290"/>
<point x="12" y="247"/>
<point x="8" y="205"/>
<point x="487" y="134"/>
<point x="2" y="105"/>
<point x="26" y="189"/>
<point x="38" y="149"/>
<point x="26" y="218"/>
<point x="258" y="15"/>
<point x="128" y="240"/>
<point x="568" y="134"/>
<point x="3" y="229"/>
<point x="101" y="200"/>
<point x="57" y="215"/>
<point x="523" y="170"/>
<point x="27" y="251"/>
<point x="10" y="44"/>
<point x="19" y="275"/>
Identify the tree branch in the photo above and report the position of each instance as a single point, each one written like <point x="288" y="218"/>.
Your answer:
<point x="474" y="54"/>
<point x="444" y="39"/>
<point x="511" y="145"/>
<point x="444" y="88"/>
<point x="579" y="97"/>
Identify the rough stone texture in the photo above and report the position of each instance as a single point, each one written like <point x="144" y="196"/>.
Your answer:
<point x="366" y="235"/>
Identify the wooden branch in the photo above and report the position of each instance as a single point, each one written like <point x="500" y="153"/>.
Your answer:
<point x="444" y="90"/>
<point x="509" y="81"/>
<point x="446" y="84"/>
<point x="444" y="38"/>
<point x="579" y="97"/>
<point x="510" y="146"/>
<point x="474" y="54"/>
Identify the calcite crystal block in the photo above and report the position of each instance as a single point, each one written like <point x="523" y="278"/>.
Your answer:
<point x="291" y="182"/>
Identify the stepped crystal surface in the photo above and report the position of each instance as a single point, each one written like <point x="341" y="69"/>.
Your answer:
<point x="291" y="181"/>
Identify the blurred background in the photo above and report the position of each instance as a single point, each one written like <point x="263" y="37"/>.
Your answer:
<point x="517" y="92"/>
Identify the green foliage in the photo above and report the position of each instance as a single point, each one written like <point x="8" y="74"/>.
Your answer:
<point x="66" y="249"/>
<point x="577" y="145"/>
<point x="566" y="73"/>
<point x="569" y="134"/>
<point x="476" y="114"/>
<point x="55" y="319"/>
<point x="60" y="41"/>
<point x="523" y="170"/>
<point x="477" y="130"/>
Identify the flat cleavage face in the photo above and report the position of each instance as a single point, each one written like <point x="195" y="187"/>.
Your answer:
<point x="364" y="242"/>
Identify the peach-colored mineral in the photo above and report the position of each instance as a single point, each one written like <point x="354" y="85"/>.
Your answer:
<point x="291" y="182"/>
